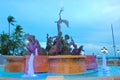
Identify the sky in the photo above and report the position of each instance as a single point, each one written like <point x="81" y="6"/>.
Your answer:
<point x="89" y="20"/>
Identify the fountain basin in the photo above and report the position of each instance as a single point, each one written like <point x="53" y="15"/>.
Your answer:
<point x="20" y="63"/>
<point x="60" y="64"/>
<point x="99" y="74"/>
<point x="67" y="64"/>
<point x="40" y="63"/>
<point x="91" y="62"/>
<point x="15" y="63"/>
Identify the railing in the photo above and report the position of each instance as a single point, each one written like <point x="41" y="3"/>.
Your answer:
<point x="109" y="58"/>
<point x="111" y="61"/>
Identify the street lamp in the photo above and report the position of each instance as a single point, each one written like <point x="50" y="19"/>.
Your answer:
<point x="118" y="51"/>
<point x="104" y="62"/>
<point x="104" y="50"/>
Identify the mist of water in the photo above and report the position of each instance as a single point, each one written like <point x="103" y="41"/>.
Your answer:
<point x="30" y="65"/>
<point x="104" y="62"/>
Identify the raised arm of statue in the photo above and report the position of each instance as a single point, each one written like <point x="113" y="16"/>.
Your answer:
<point x="60" y="21"/>
<point x="60" y="13"/>
<point x="73" y="43"/>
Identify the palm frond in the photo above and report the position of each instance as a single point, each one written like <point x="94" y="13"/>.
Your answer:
<point x="11" y="19"/>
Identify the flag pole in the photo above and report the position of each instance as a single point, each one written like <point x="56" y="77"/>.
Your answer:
<point x="114" y="47"/>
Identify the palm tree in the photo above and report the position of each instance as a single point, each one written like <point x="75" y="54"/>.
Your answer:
<point x="4" y="43"/>
<point x="17" y="39"/>
<point x="18" y="30"/>
<point x="11" y="21"/>
<point x="12" y="45"/>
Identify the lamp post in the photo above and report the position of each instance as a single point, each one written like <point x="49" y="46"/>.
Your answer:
<point x="118" y="51"/>
<point x="104" y="51"/>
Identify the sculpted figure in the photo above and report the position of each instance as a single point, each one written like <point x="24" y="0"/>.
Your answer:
<point x="75" y="51"/>
<point x="66" y="46"/>
<point x="32" y="45"/>
<point x="81" y="50"/>
<point x="49" y="43"/>
<point x="60" y="21"/>
<point x="57" y="45"/>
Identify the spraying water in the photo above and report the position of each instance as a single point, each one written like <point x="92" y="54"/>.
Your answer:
<point x="30" y="66"/>
<point x="104" y="62"/>
<point x="36" y="52"/>
<point x="104" y="65"/>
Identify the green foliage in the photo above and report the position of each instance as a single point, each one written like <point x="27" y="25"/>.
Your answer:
<point x="4" y="43"/>
<point x="11" y="44"/>
<point x="16" y="41"/>
<point x="11" y="19"/>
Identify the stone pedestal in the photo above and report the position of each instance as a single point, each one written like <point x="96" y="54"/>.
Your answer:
<point x="66" y="64"/>
<point x="20" y="63"/>
<point x="15" y="63"/>
<point x="91" y="62"/>
<point x="60" y="64"/>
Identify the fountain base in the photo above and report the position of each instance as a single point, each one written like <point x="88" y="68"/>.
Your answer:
<point x="61" y="64"/>
<point x="15" y="64"/>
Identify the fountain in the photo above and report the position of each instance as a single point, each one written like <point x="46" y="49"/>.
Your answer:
<point x="32" y="48"/>
<point x="60" y="61"/>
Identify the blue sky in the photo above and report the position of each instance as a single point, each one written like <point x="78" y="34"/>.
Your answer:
<point x="89" y="20"/>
